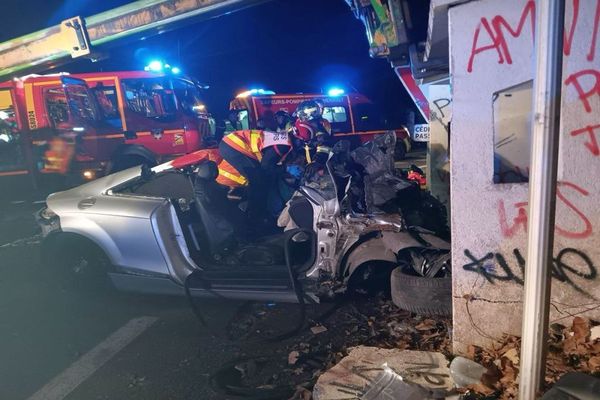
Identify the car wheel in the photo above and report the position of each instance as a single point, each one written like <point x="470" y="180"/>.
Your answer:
<point x="424" y="296"/>
<point x="78" y="262"/>
<point x="400" y="150"/>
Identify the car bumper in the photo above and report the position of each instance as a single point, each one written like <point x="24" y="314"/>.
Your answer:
<point x="47" y="225"/>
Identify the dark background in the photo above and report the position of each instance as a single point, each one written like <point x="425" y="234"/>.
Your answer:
<point x="288" y="46"/>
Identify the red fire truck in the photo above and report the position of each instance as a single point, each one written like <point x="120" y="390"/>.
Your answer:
<point x="352" y="116"/>
<point x="83" y="126"/>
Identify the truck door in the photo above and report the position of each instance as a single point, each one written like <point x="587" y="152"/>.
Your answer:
<point x="12" y="140"/>
<point x="152" y="113"/>
<point x="73" y="123"/>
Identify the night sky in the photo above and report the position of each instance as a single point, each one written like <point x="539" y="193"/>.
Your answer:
<point x="284" y="45"/>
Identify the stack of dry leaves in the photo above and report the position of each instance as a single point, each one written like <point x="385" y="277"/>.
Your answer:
<point x="575" y="348"/>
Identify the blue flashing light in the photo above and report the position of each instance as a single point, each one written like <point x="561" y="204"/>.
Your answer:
<point x="176" y="70"/>
<point x="155" y="66"/>
<point x="334" y="92"/>
<point x="254" y="92"/>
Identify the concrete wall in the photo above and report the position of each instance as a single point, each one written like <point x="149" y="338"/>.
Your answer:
<point x="491" y="47"/>
<point x="438" y="162"/>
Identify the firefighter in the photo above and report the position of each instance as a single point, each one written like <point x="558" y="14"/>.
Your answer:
<point x="232" y="123"/>
<point x="251" y="158"/>
<point x="314" y="134"/>
<point x="284" y="121"/>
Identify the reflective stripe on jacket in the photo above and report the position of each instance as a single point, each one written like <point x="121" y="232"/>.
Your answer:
<point x="229" y="176"/>
<point x="246" y="142"/>
<point x="252" y="142"/>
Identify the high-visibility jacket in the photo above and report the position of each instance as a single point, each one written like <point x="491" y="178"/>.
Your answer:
<point x="229" y="176"/>
<point x="250" y="143"/>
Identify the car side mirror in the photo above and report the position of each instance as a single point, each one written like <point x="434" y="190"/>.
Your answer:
<point x="147" y="172"/>
<point x="130" y="135"/>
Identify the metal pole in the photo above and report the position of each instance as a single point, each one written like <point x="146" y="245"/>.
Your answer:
<point x="542" y="193"/>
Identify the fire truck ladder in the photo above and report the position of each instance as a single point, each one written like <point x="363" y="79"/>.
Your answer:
<point x="77" y="36"/>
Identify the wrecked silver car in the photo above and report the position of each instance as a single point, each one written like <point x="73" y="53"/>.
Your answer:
<point x="172" y="230"/>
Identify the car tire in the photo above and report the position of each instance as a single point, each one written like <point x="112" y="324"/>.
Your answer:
<point x="77" y="262"/>
<point x="424" y="296"/>
<point x="400" y="150"/>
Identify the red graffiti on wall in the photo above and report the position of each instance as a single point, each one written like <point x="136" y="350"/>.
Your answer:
<point x="584" y="95"/>
<point x="497" y="27"/>
<point x="519" y="222"/>
<point x="592" y="143"/>
<point x="581" y="83"/>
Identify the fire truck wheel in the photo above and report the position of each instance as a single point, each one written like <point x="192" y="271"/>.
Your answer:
<point x="130" y="161"/>
<point x="400" y="150"/>
<point x="424" y="296"/>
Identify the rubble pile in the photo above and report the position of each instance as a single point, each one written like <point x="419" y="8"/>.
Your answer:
<point x="329" y="334"/>
<point x="574" y="348"/>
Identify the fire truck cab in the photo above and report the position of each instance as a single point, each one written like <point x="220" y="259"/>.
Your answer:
<point x="84" y="126"/>
<point x="352" y="116"/>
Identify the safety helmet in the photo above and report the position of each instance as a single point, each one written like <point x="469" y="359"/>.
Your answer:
<point x="303" y="131"/>
<point x="283" y="114"/>
<point x="308" y="110"/>
<point x="282" y="117"/>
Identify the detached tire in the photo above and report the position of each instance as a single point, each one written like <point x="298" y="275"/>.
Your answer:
<point x="424" y="296"/>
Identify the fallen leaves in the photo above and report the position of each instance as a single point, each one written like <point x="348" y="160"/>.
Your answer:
<point x="569" y="349"/>
<point x="293" y="357"/>
<point x="426" y="325"/>
<point x="329" y="334"/>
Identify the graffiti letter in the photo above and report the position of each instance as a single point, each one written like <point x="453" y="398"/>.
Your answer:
<point x="498" y="22"/>
<point x="561" y="269"/>
<point x="520" y="221"/>
<point x="568" y="40"/>
<point x="440" y="104"/>
<point x="476" y="50"/>
<point x="592" y="143"/>
<point x="478" y="265"/>
<point x="583" y="95"/>
<point x="587" y="231"/>
<point x="592" y="52"/>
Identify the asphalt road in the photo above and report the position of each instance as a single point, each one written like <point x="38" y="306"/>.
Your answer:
<point x="47" y="324"/>
<point x="61" y="341"/>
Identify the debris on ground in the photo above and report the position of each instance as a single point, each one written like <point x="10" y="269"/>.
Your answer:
<point x="295" y="364"/>
<point x="318" y="329"/>
<point x="465" y="372"/>
<point x="569" y="349"/>
<point x="28" y="241"/>
<point x="364" y="368"/>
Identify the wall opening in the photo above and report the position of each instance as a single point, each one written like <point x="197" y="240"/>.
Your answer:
<point x="512" y="133"/>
